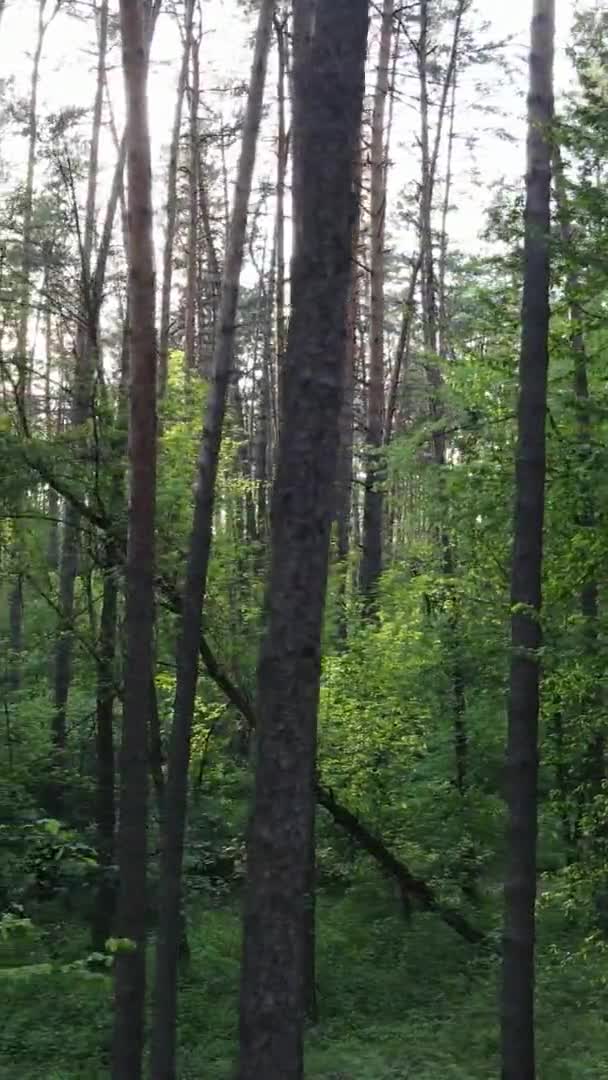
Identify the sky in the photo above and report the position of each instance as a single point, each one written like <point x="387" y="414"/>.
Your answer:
<point x="481" y="157"/>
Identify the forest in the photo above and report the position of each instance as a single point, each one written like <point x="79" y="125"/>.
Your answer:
<point x="303" y="548"/>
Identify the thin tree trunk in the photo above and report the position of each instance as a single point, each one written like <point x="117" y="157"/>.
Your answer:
<point x="402" y="352"/>
<point x="139" y="611"/>
<point x="165" y="998"/>
<point x="326" y="123"/>
<point x="171" y="222"/>
<point x="86" y="346"/>
<point x="517" y="1014"/>
<point x="282" y="154"/>
<point x="344" y="477"/>
<point x="594" y="764"/>
<point x="106" y="892"/>
<point x="371" y="556"/>
<point x="15" y="597"/>
<point x="192" y="291"/>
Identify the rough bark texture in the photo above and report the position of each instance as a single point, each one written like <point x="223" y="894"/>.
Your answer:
<point x="139" y="609"/>
<point x="517" y="1018"/>
<point x="371" y="555"/>
<point x="165" y="1000"/>
<point x="327" y="101"/>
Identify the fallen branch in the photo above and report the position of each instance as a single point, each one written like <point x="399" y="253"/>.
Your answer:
<point x="411" y="888"/>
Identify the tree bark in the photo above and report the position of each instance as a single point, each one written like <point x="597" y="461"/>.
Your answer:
<point x="139" y="607"/>
<point x="328" y="82"/>
<point x="165" y="998"/>
<point x="373" y="514"/>
<point x="517" y="1014"/>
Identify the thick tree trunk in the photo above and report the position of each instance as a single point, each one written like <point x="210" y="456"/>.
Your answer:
<point x="139" y="610"/>
<point x="165" y="999"/>
<point x="373" y="513"/>
<point x="328" y="91"/>
<point x="171" y="222"/>
<point x="517" y="1015"/>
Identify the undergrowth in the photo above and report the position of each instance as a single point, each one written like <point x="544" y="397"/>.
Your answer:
<point x="397" y="1002"/>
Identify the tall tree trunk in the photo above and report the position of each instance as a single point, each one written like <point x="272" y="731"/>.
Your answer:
<point x="15" y="598"/>
<point x="106" y="893"/>
<point x="165" y="997"/>
<point x="86" y="346"/>
<point x="171" y="222"/>
<point x="402" y="352"/>
<point x="139" y="611"/>
<point x="344" y="477"/>
<point x="517" y="1014"/>
<point x="282" y="153"/>
<point x="594" y="765"/>
<point x="192" y="291"/>
<point x="432" y="340"/>
<point x="371" y="556"/>
<point x="327" y="107"/>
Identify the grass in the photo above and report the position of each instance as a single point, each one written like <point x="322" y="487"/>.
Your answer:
<point x="396" y="1002"/>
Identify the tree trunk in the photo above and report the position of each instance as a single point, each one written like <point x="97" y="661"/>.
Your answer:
<point x="171" y="223"/>
<point x="282" y="154"/>
<point x="326" y="122"/>
<point x="139" y="609"/>
<point x="371" y="556"/>
<point x="517" y="1015"/>
<point x="344" y="477"/>
<point x="106" y="891"/>
<point x="165" y="999"/>
<point x="192" y="292"/>
<point x="86" y="347"/>
<point x="594" y="768"/>
<point x="15" y="597"/>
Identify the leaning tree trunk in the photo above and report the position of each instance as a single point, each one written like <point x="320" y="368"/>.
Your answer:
<point x="517" y="1014"/>
<point x="165" y="998"/>
<point x="371" y="555"/>
<point x="139" y="608"/>
<point x="328" y="90"/>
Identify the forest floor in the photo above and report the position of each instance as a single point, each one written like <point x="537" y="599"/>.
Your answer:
<point x="396" y="1002"/>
